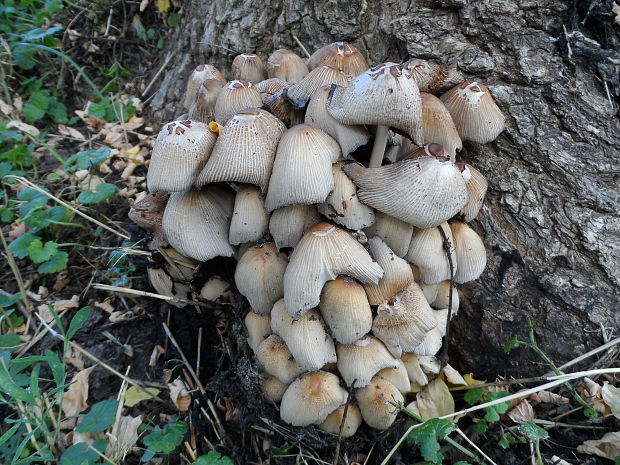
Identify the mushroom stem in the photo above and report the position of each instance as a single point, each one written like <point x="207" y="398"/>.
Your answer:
<point x="379" y="148"/>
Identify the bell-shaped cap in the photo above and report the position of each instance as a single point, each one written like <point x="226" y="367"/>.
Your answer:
<point x="477" y="186"/>
<point x="342" y="205"/>
<point x="196" y="223"/>
<point x="376" y="403"/>
<point x="340" y="55"/>
<point x="248" y="67"/>
<point x="416" y="374"/>
<point x="431" y="343"/>
<point x="203" y="108"/>
<point x="349" y="137"/>
<point x="276" y="359"/>
<point x="345" y="309"/>
<point x="474" y="112"/>
<point x="216" y="289"/>
<point x="437" y="125"/>
<point x="403" y="322"/>
<point x="246" y="150"/>
<point x="271" y="86"/>
<point x="300" y="93"/>
<point x="394" y="232"/>
<point x="427" y="252"/>
<point x="234" y="97"/>
<point x="322" y="254"/>
<point x="288" y="224"/>
<point x="179" y="266"/>
<point x="258" y="276"/>
<point x="429" y="290"/>
<point x="162" y="282"/>
<point x="385" y="95"/>
<point x="360" y="361"/>
<point x="198" y="76"/>
<point x="250" y="220"/>
<point x="278" y="105"/>
<point x="334" y="421"/>
<point x="286" y="65"/>
<point x="433" y="77"/>
<point x="302" y="171"/>
<point x="306" y="338"/>
<point x="424" y="191"/>
<point x="259" y="328"/>
<point x="180" y="151"/>
<point x="397" y="376"/>
<point x="470" y="253"/>
<point x="397" y="272"/>
<point x="442" y="297"/>
<point x="148" y="213"/>
<point x="273" y="389"/>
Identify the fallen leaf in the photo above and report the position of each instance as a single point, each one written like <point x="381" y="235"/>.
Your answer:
<point x="179" y="395"/>
<point x="522" y="412"/>
<point x="157" y="352"/>
<point x="608" y="446"/>
<point x="105" y="306"/>
<point x="133" y="395"/>
<point x="124" y="439"/>
<point x="71" y="132"/>
<point x="555" y="460"/>
<point x="435" y="400"/>
<point x="63" y="305"/>
<point x="17" y="229"/>
<point x="5" y="108"/>
<point x="611" y="396"/>
<point x="45" y="313"/>
<point x="23" y="127"/>
<point x="74" y="358"/>
<point x="77" y="437"/>
<point x="549" y="397"/>
<point x="75" y="397"/>
<point x="592" y="391"/>
<point x="453" y="376"/>
<point x="61" y="281"/>
<point x="94" y="123"/>
<point x="471" y="381"/>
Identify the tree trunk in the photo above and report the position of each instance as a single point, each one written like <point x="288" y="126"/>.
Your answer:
<point x="550" y="220"/>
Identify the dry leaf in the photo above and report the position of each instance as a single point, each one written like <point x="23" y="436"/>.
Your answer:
<point x="555" y="460"/>
<point x="522" y="412"/>
<point x="608" y="446"/>
<point x="125" y="437"/>
<point x="74" y="358"/>
<point x="549" y="397"/>
<point x="105" y="306"/>
<point x="71" y="132"/>
<point x="471" y="381"/>
<point x="5" y="108"/>
<point x="18" y="103"/>
<point x="45" y="313"/>
<point x="63" y="305"/>
<point x="157" y="351"/>
<point x="133" y="395"/>
<point x="611" y="396"/>
<point x="435" y="400"/>
<point x="453" y="376"/>
<point x="77" y="437"/>
<point x="592" y="391"/>
<point x="75" y="398"/>
<point x="17" y="230"/>
<point x="21" y="126"/>
<point x="94" y="123"/>
<point x="179" y="395"/>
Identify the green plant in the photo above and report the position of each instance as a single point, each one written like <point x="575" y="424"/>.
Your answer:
<point x="491" y="414"/>
<point x="213" y="458"/>
<point x="164" y="440"/>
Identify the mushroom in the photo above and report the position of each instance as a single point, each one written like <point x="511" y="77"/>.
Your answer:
<point x="250" y="220"/>
<point x="394" y="232"/>
<point x="477" y="186"/>
<point x="180" y="151"/>
<point x="337" y="423"/>
<point x="234" y="97"/>
<point x="442" y="297"/>
<point x="248" y="67"/>
<point x="437" y="125"/>
<point x="397" y="376"/>
<point x="286" y="65"/>
<point x="273" y="389"/>
<point x="323" y="253"/>
<point x="470" y="253"/>
<point x="397" y="273"/>
<point x="376" y="403"/>
<point x="148" y="213"/>
<point x="341" y="55"/>
<point x="258" y="276"/>
<point x="432" y="77"/>
<point x="259" y="328"/>
<point x="276" y="359"/>
<point x="300" y="93"/>
<point x="203" y="108"/>
<point x="416" y="374"/>
<point x="431" y="343"/>
<point x="427" y="252"/>
<point x="198" y="76"/>
<point x="385" y="95"/>
<point x="288" y="224"/>
<point x="474" y="112"/>
<point x="163" y="284"/>
<point x="271" y="86"/>
<point x="216" y="289"/>
<point x="360" y="361"/>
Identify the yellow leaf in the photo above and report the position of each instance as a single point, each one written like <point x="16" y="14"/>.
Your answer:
<point x="435" y="400"/>
<point x="132" y="152"/>
<point x="163" y="5"/>
<point x="134" y="396"/>
<point x="471" y="381"/>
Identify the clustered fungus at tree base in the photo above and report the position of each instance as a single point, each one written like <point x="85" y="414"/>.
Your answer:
<point x="348" y="265"/>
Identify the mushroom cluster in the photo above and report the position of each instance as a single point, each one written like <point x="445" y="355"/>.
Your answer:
<point x="349" y="266"/>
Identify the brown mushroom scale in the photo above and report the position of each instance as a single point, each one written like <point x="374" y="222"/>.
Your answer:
<point x="327" y="305"/>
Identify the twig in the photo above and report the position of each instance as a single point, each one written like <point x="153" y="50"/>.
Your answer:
<point x="476" y="448"/>
<point x="301" y="45"/>
<point x="157" y="74"/>
<point x="18" y="278"/>
<point x="128" y="290"/>
<point x="447" y="247"/>
<point x="574" y="361"/>
<point x="344" y="419"/>
<point x="553" y="424"/>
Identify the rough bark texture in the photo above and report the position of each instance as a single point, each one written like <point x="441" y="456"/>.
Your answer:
<point x="551" y="219"/>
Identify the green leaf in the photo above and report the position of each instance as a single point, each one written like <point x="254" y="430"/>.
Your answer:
<point x="213" y="458"/>
<point x="40" y="99"/>
<point x="532" y="431"/>
<point x="32" y="113"/>
<point x="590" y="413"/>
<point x="511" y="344"/>
<point x="56" y="263"/>
<point x="81" y="454"/>
<point x="427" y="435"/>
<point x="617" y="461"/>
<point x="167" y="439"/>
<point x="8" y="386"/>
<point x="160" y="43"/>
<point x="39" y="33"/>
<point x="58" y="111"/>
<point x="174" y="19"/>
<point x="481" y="427"/>
<point x="86" y="159"/>
<point x="40" y="253"/>
<point x="101" y="415"/>
<point x="19" y="247"/>
<point x="148" y="455"/>
<point x="24" y="56"/>
<point x="6" y="436"/>
<point x="77" y="321"/>
<point x="461" y="462"/>
<point x="506" y="441"/>
<point x="42" y="218"/>
<point x="102" y="192"/>
<point x="473" y="396"/>
<point x="57" y="367"/>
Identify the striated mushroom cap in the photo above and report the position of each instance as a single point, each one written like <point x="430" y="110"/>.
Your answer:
<point x="470" y="253"/>
<point x="340" y="55"/>
<point x="397" y="376"/>
<point x="288" y="224"/>
<point x="286" y="65"/>
<point x="234" y="97"/>
<point x="203" y="107"/>
<point x="196" y="223"/>
<point x="477" y="186"/>
<point x="250" y="220"/>
<point x="334" y="421"/>
<point x="276" y="359"/>
<point x="427" y="252"/>
<point x="180" y="151"/>
<point x="259" y="328"/>
<point x="271" y="86"/>
<point x="416" y="374"/>
<point x="248" y="67"/>
<point x="273" y="389"/>
<point x="302" y="171"/>
<point x="432" y="77"/>
<point x="431" y="343"/>
<point x="148" y="213"/>
<point x="342" y="205"/>
<point x="397" y="273"/>
<point x="442" y="297"/>
<point x="375" y="402"/>
<point x="394" y="232"/>
<point x="345" y="309"/>
<point x="258" y="276"/>
<point x="300" y="93"/>
<point x="323" y="253"/>
<point x="437" y="125"/>
<point x="424" y="191"/>
<point x="200" y="74"/>
<point x="360" y="361"/>
<point x="474" y="112"/>
<point x="245" y="150"/>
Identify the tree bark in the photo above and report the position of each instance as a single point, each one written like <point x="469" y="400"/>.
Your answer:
<point x="551" y="218"/>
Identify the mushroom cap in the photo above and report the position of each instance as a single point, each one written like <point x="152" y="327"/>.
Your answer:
<point x="196" y="223"/>
<point x="273" y="389"/>
<point x="250" y="220"/>
<point x="437" y="125"/>
<point x="216" y="289"/>
<point x="161" y="281"/>
<point x="148" y="213"/>
<point x="234" y="97"/>
<point x="279" y="105"/>
<point x="300" y="93"/>
<point x="397" y="376"/>
<point x="246" y="149"/>
<point x="349" y="137"/>
<point x="259" y="328"/>
<point x="403" y="322"/>
<point x="375" y="402"/>
<point x="311" y="398"/>
<point x="442" y="297"/>
<point x="427" y="252"/>
<point x="342" y="205"/>
<point x="276" y="359"/>
<point x="323" y="253"/>
<point x="345" y="309"/>
<point x="200" y="74"/>
<point x="394" y="232"/>
<point x="180" y="151"/>
<point x="474" y="112"/>
<point x="271" y="86"/>
<point x="360" y="361"/>
<point x="203" y="107"/>
<point x="416" y="374"/>
<point x="258" y="276"/>
<point x="397" y="272"/>
<point x="302" y="171"/>
<point x="470" y="252"/>
<point x="248" y="67"/>
<point x="288" y="224"/>
<point x="341" y="55"/>
<point x="306" y="337"/>
<point x="384" y="95"/>
<point x="286" y="65"/>
<point x="477" y="186"/>
<point x="424" y="191"/>
<point x="351" y="423"/>
<point x="432" y="77"/>
<point x="432" y="341"/>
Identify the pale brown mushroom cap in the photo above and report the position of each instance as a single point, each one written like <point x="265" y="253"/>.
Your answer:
<point x="412" y="364"/>
<point x="271" y="86"/>
<point x="180" y="151"/>
<point x="234" y="97"/>
<point x="273" y="389"/>
<point x="258" y="276"/>
<point x="322" y="254"/>
<point x="375" y="402"/>
<point x="470" y="252"/>
<point x="433" y="77"/>
<point x="288" y="224"/>
<point x="216" y="289"/>
<point x="477" y="186"/>
<point x="394" y="232"/>
<point x="427" y="252"/>
<point x="352" y="422"/>
<point x="203" y="107"/>
<point x="397" y="272"/>
<point x="341" y="55"/>
<point x="248" y="67"/>
<point x="250" y="220"/>
<point x="397" y="376"/>
<point x="474" y="112"/>
<point x="311" y="398"/>
<point x="163" y="285"/>
<point x="431" y="343"/>
<point x="360" y="361"/>
<point x="277" y="360"/>
<point x="442" y="297"/>
<point x="300" y="93"/>
<point x="279" y="105"/>
<point x="200" y="74"/>
<point x="437" y="125"/>
<point x="286" y="65"/>
<point x="148" y="213"/>
<point x="259" y="328"/>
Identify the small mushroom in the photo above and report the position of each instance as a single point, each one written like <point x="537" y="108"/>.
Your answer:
<point x="360" y="361"/>
<point x="442" y="297"/>
<point x="376" y="403"/>
<point x="427" y="252"/>
<point x="286" y="65"/>
<point x="276" y="359"/>
<point x="216" y="289"/>
<point x="397" y="273"/>
<point x="273" y="389"/>
<point x="397" y="376"/>
<point x="288" y="224"/>
<point x="431" y="343"/>
<point x="300" y="93"/>
<point x="437" y="125"/>
<point x="334" y="422"/>
<point x="271" y="86"/>
<point x="341" y="55"/>
<point x="477" y="186"/>
<point x="394" y="232"/>
<point x="234" y="97"/>
<point x="148" y="213"/>
<point x="432" y="77"/>
<point x="414" y="369"/>
<point x="470" y="253"/>
<point x="198" y="76"/>
<point x="248" y="67"/>
<point x="259" y="328"/>
<point x="250" y="220"/>
<point x="203" y="108"/>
